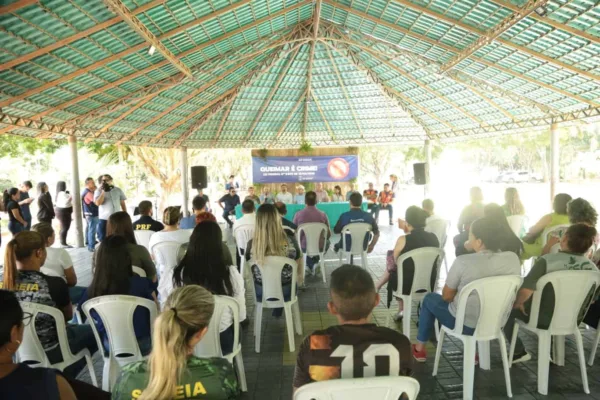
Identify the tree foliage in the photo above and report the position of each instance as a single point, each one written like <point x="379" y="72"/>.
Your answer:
<point x="18" y="146"/>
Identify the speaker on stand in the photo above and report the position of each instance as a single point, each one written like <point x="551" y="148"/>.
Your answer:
<point x="199" y="177"/>
<point x="421" y="171"/>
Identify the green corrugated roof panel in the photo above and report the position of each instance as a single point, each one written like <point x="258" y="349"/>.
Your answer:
<point x="388" y="55"/>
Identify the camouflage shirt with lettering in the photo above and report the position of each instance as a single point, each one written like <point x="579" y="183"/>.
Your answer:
<point x="204" y="378"/>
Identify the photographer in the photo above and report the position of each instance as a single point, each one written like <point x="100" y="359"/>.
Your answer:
<point x="109" y="200"/>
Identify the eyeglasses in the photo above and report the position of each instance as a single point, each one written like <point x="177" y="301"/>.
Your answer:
<point x="27" y="318"/>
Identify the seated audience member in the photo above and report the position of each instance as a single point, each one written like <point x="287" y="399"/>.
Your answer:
<point x="248" y="216"/>
<point x="24" y="256"/>
<point x="428" y="206"/>
<point x="58" y="261"/>
<point x="471" y="212"/>
<point x="284" y="196"/>
<point x="20" y="381"/>
<point x="513" y="206"/>
<point x="204" y="264"/>
<point x="487" y="261"/>
<point x="198" y="207"/>
<point x="310" y="213"/>
<point x="266" y="197"/>
<point x="386" y="197"/>
<point x="415" y="237"/>
<point x="371" y="196"/>
<point x="322" y="196"/>
<point x="172" y="368"/>
<point x="353" y="298"/>
<point x="120" y="224"/>
<point x="228" y="203"/>
<point x="282" y="210"/>
<point x="113" y="275"/>
<point x="299" y="197"/>
<point x="252" y="196"/>
<point x="571" y="257"/>
<point x="270" y="240"/>
<point x="356" y="214"/>
<point x="337" y="195"/>
<point x="532" y="242"/>
<point x="206" y="199"/>
<point x="353" y="189"/>
<point x="146" y="222"/>
<point x="171" y="233"/>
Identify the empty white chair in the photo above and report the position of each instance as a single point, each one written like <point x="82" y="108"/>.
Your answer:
<point x="379" y="388"/>
<point x="139" y="271"/>
<point x="496" y="297"/>
<point x="312" y="234"/>
<point x="210" y="345"/>
<point x="272" y="297"/>
<point x="357" y="232"/>
<point x="165" y="255"/>
<point x="242" y="236"/>
<point x="424" y="260"/>
<point x="31" y="350"/>
<point x="517" y="224"/>
<point x="571" y="289"/>
<point x="440" y="227"/>
<point x="143" y="238"/>
<point x="116" y="313"/>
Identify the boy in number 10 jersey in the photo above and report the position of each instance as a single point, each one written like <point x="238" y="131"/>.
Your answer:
<point x="356" y="348"/>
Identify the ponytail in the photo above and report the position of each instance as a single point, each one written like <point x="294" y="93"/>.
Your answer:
<point x="19" y="248"/>
<point x="187" y="311"/>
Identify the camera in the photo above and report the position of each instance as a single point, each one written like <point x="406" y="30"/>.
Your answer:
<point x="106" y="187"/>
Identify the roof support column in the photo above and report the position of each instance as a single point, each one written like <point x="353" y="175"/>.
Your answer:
<point x="554" y="160"/>
<point x="76" y="191"/>
<point x="184" y="181"/>
<point x="428" y="168"/>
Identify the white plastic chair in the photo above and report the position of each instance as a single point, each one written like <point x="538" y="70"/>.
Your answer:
<point x="287" y="228"/>
<point x="571" y="289"/>
<point x="424" y="260"/>
<point x="165" y="255"/>
<point x="31" y="350"/>
<point x="377" y="388"/>
<point x="548" y="231"/>
<point x="517" y="223"/>
<point x="138" y="271"/>
<point x="440" y="227"/>
<point x="210" y="345"/>
<point x="272" y="297"/>
<point x="143" y="238"/>
<point x="357" y="231"/>
<point x="242" y="236"/>
<point x="312" y="236"/>
<point x="116" y="313"/>
<point x="496" y="297"/>
<point x="595" y="346"/>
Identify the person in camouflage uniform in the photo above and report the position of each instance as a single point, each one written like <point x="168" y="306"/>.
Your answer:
<point x="171" y="371"/>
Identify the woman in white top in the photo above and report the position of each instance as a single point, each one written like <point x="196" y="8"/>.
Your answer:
<point x="171" y="233"/>
<point x="64" y="208"/>
<point x="337" y="195"/>
<point x="204" y="264"/>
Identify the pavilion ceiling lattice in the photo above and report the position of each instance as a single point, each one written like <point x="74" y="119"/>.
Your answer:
<point x="278" y="73"/>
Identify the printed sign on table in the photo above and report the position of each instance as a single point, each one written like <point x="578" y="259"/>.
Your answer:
<point x="301" y="169"/>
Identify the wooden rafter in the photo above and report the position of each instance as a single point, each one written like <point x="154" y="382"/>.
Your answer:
<point x="222" y="123"/>
<point x="121" y="9"/>
<point x="320" y="109"/>
<point x="495" y="32"/>
<point x="290" y="115"/>
<point x="345" y="92"/>
<point x="443" y="17"/>
<point x="454" y="50"/>
<point x="272" y="92"/>
<point x="12" y="7"/>
<point x="311" y="57"/>
<point x="68" y="40"/>
<point x="141" y="46"/>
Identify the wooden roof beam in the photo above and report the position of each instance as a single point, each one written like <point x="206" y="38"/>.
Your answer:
<point x="314" y="96"/>
<point x="121" y="9"/>
<point x="290" y="115"/>
<point x="311" y="58"/>
<point x="222" y="123"/>
<point x="17" y="5"/>
<point x="494" y="33"/>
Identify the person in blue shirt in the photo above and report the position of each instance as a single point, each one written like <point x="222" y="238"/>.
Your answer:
<point x="228" y="203"/>
<point x="198" y="207"/>
<point x="356" y="214"/>
<point x="231" y="184"/>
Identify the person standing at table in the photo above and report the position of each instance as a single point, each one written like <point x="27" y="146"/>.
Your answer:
<point x="45" y="207"/>
<point x="64" y="211"/>
<point x="228" y="203"/>
<point x="322" y="196"/>
<point x="284" y="196"/>
<point x="371" y="195"/>
<point x="266" y="197"/>
<point x="25" y="201"/>
<point x="299" y="197"/>
<point x="337" y="195"/>
<point x="353" y="187"/>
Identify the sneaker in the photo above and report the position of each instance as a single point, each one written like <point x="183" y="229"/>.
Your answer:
<point x="398" y="317"/>
<point x="522" y="357"/>
<point x="65" y="246"/>
<point x="419" y="356"/>
<point x="391" y="223"/>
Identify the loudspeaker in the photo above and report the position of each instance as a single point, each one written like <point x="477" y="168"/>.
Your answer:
<point x="199" y="180"/>
<point x="421" y="171"/>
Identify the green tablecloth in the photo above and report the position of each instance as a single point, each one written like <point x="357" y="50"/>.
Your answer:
<point x="333" y="210"/>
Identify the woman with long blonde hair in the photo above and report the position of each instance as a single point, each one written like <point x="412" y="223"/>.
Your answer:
<point x="512" y="203"/>
<point x="172" y="371"/>
<point x="271" y="240"/>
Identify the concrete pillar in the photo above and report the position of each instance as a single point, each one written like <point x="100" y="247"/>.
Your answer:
<point x="76" y="192"/>
<point x="554" y="160"/>
<point x="428" y="167"/>
<point x="184" y="181"/>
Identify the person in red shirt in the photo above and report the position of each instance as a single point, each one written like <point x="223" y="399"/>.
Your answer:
<point x="371" y="196"/>
<point x="386" y="197"/>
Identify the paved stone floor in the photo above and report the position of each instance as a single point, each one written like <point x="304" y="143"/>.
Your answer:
<point x="269" y="374"/>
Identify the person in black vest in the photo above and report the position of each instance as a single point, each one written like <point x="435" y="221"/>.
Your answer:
<point x="90" y="212"/>
<point x="146" y="222"/>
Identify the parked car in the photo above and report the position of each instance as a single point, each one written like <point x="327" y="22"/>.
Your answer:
<point x="517" y="177"/>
